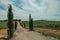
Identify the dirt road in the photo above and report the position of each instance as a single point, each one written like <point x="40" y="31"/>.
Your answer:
<point x="23" y="34"/>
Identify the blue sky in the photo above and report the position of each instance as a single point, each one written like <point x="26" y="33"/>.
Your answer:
<point x="39" y="9"/>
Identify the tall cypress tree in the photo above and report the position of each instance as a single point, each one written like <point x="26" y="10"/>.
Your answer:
<point x="10" y="21"/>
<point x="30" y="23"/>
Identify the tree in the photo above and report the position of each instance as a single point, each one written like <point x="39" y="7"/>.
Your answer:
<point x="10" y="21"/>
<point x="15" y="25"/>
<point x="30" y="23"/>
<point x="24" y="25"/>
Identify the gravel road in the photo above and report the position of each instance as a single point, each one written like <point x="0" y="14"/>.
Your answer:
<point x="24" y="34"/>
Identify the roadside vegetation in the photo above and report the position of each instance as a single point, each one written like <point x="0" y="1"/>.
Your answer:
<point x="52" y="26"/>
<point x="51" y="34"/>
<point x="44" y="24"/>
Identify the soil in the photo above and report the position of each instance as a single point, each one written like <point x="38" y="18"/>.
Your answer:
<point x="54" y="31"/>
<point x="3" y="33"/>
<point x="24" y="34"/>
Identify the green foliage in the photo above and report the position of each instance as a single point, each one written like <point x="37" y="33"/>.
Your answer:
<point x="15" y="25"/>
<point x="26" y="23"/>
<point x="30" y="23"/>
<point x="21" y="23"/>
<point x="10" y="17"/>
<point x="10" y="21"/>
<point x="44" y="24"/>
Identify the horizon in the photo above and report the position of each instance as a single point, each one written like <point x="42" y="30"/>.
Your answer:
<point x="39" y="9"/>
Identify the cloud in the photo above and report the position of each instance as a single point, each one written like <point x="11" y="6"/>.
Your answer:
<point x="39" y="9"/>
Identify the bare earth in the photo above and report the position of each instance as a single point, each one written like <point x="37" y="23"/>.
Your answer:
<point x="47" y="30"/>
<point x="3" y="33"/>
<point x="23" y="34"/>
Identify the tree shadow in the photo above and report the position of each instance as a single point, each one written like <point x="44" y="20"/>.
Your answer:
<point x="4" y="39"/>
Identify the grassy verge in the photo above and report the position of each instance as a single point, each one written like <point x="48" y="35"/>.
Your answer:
<point x="51" y="34"/>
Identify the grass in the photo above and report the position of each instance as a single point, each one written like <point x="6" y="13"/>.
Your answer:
<point x="51" y="34"/>
<point x="3" y="25"/>
<point x="44" y="24"/>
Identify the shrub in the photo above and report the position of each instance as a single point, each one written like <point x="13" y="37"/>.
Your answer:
<point x="15" y="25"/>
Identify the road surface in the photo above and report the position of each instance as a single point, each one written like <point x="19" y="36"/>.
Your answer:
<point x="24" y="34"/>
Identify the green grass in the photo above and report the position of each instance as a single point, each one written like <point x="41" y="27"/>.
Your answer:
<point x="45" y="24"/>
<point x="3" y="25"/>
<point x="51" y="34"/>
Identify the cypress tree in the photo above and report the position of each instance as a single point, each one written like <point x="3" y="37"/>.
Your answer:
<point x="15" y="25"/>
<point x="30" y="23"/>
<point x="10" y="21"/>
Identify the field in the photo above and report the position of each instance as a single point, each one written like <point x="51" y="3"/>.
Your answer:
<point x="50" y="28"/>
<point x="49" y="32"/>
<point x="3" y="29"/>
<point x="3" y="25"/>
<point x="3" y="33"/>
<point x="44" y="24"/>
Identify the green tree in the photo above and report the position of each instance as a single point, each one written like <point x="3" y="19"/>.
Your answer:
<point x="10" y="21"/>
<point x="15" y="25"/>
<point x="24" y="25"/>
<point x="30" y="23"/>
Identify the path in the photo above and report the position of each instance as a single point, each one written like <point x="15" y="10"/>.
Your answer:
<point x="23" y="34"/>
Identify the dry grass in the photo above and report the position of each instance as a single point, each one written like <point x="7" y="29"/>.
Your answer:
<point x="3" y="33"/>
<point x="47" y="30"/>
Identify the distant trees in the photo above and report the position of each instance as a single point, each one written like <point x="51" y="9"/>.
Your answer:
<point x="21" y="24"/>
<point x="10" y="21"/>
<point x="30" y="23"/>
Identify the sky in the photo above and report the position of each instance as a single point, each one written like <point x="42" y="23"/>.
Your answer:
<point x="39" y="9"/>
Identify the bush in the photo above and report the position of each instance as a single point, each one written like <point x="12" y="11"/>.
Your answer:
<point x="15" y="25"/>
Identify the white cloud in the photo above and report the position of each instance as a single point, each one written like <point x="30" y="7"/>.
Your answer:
<point x="3" y="15"/>
<point x="45" y="9"/>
